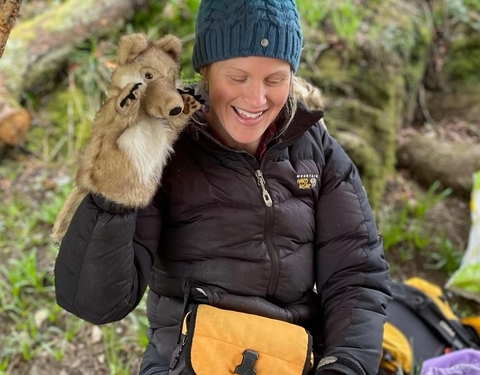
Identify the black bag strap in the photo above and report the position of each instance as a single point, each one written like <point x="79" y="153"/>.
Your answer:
<point x="185" y="306"/>
<point x="452" y="333"/>
<point x="191" y="298"/>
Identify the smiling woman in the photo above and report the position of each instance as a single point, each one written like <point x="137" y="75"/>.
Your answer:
<point x="246" y="96"/>
<point x="259" y="212"/>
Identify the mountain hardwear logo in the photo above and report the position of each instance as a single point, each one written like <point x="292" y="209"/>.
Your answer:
<point x="307" y="181"/>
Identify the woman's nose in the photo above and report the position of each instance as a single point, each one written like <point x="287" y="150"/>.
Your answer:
<point x="256" y="95"/>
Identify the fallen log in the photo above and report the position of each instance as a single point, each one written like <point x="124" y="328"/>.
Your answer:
<point x="429" y="160"/>
<point x="37" y="47"/>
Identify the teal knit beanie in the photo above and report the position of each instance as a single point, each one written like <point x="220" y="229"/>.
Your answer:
<point x="226" y="29"/>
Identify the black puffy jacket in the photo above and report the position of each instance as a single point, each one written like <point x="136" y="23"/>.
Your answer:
<point x="251" y="235"/>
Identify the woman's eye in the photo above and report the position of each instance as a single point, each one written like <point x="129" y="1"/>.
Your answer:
<point x="238" y="79"/>
<point x="274" y="82"/>
<point x="148" y="75"/>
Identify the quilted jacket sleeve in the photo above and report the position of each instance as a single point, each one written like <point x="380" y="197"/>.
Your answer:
<point x="102" y="268"/>
<point x="352" y="274"/>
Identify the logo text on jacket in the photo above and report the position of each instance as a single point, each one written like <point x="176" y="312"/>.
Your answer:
<point x="307" y="181"/>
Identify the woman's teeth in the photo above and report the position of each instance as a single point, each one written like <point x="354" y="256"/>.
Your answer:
<point x="243" y="113"/>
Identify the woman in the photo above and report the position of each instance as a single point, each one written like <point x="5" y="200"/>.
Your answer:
<point x="259" y="210"/>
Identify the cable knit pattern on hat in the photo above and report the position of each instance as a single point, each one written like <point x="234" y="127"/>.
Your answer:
<point x="238" y="28"/>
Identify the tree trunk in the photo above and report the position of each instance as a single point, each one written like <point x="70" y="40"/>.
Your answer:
<point x="429" y="160"/>
<point x="37" y="47"/>
<point x="8" y="14"/>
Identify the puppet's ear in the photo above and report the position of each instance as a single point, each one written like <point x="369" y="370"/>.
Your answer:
<point x="130" y="46"/>
<point x="171" y="45"/>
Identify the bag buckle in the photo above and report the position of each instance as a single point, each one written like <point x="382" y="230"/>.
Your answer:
<point x="248" y="361"/>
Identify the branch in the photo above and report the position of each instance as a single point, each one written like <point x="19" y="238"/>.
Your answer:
<point x="8" y="15"/>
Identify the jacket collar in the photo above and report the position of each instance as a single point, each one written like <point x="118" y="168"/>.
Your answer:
<point x="303" y="120"/>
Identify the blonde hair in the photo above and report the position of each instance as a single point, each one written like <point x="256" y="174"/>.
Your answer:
<point x="289" y="109"/>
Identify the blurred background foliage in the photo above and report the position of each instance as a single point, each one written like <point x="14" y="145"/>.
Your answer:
<point x="387" y="69"/>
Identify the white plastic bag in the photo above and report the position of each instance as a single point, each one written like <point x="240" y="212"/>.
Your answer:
<point x="466" y="280"/>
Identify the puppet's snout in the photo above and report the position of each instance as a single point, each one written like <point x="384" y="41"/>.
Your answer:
<point x="163" y="99"/>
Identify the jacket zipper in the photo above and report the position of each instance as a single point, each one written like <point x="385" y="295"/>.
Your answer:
<point x="261" y="182"/>
<point x="272" y="283"/>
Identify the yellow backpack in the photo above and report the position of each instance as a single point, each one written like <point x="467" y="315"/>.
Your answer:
<point x="422" y="325"/>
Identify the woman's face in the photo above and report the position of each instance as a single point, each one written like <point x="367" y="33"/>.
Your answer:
<point x="246" y="95"/>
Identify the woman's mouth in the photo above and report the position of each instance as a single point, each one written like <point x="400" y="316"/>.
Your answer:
<point x="248" y="115"/>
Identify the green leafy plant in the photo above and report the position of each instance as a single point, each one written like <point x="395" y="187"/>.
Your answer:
<point x="404" y="230"/>
<point x="344" y="17"/>
<point x="446" y="257"/>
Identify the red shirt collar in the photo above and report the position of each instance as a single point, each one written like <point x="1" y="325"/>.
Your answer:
<point x="266" y="138"/>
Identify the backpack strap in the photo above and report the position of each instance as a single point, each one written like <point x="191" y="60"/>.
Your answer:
<point x="450" y="331"/>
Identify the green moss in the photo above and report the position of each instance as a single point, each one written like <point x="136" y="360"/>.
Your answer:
<point x="368" y="162"/>
<point x="15" y="51"/>
<point x="378" y="88"/>
<point x="463" y="65"/>
<point x="371" y="143"/>
<point x="394" y="31"/>
<point x="367" y="122"/>
<point x="330" y="62"/>
<point x="371" y="85"/>
<point x="412" y="78"/>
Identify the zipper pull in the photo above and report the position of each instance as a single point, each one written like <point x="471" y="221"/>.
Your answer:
<point x="261" y="183"/>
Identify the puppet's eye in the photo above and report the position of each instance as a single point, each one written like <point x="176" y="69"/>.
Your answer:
<point x="148" y="75"/>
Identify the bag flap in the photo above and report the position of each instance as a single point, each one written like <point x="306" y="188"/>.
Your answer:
<point x="282" y="348"/>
